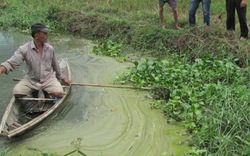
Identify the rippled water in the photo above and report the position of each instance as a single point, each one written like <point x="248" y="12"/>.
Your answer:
<point x="110" y="121"/>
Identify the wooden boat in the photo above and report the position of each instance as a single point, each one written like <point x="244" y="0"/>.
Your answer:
<point x="24" y="114"/>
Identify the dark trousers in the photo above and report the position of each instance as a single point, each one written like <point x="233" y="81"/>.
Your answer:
<point x="231" y="5"/>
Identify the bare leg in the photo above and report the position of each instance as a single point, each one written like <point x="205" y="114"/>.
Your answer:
<point x="57" y="94"/>
<point x="161" y="16"/>
<point x="177" y="25"/>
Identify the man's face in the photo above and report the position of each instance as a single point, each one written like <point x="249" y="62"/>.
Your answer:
<point x="42" y="37"/>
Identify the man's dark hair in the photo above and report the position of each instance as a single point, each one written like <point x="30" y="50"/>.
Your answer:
<point x="38" y="27"/>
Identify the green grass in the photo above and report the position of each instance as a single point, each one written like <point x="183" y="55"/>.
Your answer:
<point x="139" y="13"/>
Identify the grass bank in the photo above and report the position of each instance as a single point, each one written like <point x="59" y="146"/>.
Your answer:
<point x="133" y="23"/>
<point x="205" y="72"/>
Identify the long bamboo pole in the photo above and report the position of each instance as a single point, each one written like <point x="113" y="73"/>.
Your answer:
<point x="110" y="86"/>
<point x="107" y="86"/>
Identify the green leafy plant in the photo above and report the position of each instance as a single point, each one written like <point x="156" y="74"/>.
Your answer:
<point x="38" y="152"/>
<point x="203" y="95"/>
<point x="110" y="48"/>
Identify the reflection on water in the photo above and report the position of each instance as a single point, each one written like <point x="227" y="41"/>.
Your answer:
<point x="110" y="121"/>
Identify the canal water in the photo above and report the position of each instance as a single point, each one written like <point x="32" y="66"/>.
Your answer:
<point x="95" y="121"/>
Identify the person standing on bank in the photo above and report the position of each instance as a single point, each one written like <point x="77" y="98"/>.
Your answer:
<point x="43" y="68"/>
<point x="241" y="7"/>
<point x="173" y="5"/>
<point x="194" y="4"/>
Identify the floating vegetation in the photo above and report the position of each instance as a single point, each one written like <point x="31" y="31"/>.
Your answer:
<point x="76" y="144"/>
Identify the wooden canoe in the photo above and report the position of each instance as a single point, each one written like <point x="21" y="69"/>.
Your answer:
<point x="22" y="115"/>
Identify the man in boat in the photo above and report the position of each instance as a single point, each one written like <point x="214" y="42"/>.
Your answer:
<point x="43" y="68"/>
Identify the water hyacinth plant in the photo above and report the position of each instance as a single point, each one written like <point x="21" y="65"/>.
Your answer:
<point x="210" y="96"/>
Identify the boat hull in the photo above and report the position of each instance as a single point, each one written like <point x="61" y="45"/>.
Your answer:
<point x="17" y="120"/>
